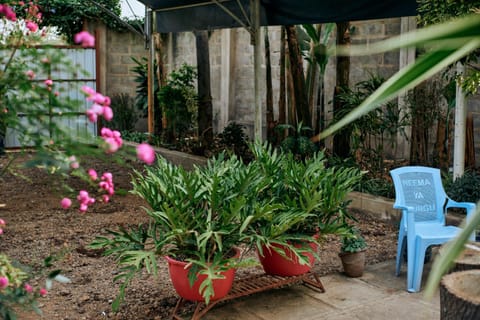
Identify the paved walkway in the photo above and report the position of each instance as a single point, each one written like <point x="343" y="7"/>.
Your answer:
<point x="378" y="294"/>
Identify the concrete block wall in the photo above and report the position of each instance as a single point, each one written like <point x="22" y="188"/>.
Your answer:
<point x="239" y="106"/>
<point x="121" y="47"/>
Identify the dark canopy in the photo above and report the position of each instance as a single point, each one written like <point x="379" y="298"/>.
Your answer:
<point x="188" y="15"/>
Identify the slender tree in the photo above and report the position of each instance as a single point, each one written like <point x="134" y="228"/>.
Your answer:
<point x="296" y="67"/>
<point x="269" y="91"/>
<point x="205" y="111"/>
<point x="341" y="140"/>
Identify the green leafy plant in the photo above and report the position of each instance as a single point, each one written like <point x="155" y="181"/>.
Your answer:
<point x="353" y="242"/>
<point x="69" y="15"/>
<point x="178" y="102"/>
<point x="141" y="99"/>
<point x="465" y="188"/>
<point x="312" y="197"/>
<point x="125" y="113"/>
<point x="370" y="133"/>
<point x="233" y="138"/>
<point x="197" y="216"/>
<point x="299" y="142"/>
<point x="16" y="290"/>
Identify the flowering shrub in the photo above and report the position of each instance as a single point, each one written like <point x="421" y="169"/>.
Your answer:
<point x="29" y="98"/>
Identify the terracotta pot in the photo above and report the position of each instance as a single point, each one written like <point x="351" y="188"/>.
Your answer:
<point x="179" y="278"/>
<point x="353" y="263"/>
<point x="275" y="264"/>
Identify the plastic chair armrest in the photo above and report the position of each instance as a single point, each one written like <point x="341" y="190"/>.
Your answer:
<point x="468" y="206"/>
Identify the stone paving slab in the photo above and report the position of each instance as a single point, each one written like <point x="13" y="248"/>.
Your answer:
<point x="377" y="295"/>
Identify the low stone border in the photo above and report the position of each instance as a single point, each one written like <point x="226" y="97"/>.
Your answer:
<point x="380" y="207"/>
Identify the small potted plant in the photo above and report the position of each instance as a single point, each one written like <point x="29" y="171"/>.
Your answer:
<point x="311" y="200"/>
<point x="353" y="254"/>
<point x="198" y="219"/>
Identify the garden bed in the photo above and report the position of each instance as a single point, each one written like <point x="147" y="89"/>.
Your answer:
<point x="38" y="227"/>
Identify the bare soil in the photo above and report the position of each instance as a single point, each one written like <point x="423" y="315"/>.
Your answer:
<point x="38" y="227"/>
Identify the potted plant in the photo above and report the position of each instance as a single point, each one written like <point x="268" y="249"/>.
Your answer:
<point x="311" y="199"/>
<point x="353" y="254"/>
<point x="198" y="219"/>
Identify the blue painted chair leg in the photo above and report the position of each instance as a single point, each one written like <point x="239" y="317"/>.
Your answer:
<point x="400" y="251"/>
<point x="418" y="270"/>
<point x="410" y="262"/>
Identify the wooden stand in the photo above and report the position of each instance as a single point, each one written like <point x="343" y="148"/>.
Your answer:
<point x="460" y="295"/>
<point x="250" y="285"/>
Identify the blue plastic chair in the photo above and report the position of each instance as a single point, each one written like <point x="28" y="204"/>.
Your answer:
<point x="420" y="195"/>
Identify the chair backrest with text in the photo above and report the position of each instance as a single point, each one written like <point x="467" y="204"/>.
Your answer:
<point x="421" y="189"/>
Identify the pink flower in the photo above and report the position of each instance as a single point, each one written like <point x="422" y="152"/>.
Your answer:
<point x="91" y="115"/>
<point x="112" y="138"/>
<point x="93" y="174"/>
<point x="7" y="11"/>
<point x="66" y="203"/>
<point x="98" y="109"/>
<point x="105" y="198"/>
<point x="107" y="183"/>
<point x="30" y="74"/>
<point x="45" y="60"/>
<point x="88" y="91"/>
<point x="85" y="39"/>
<point x="107" y="113"/>
<point x="43" y="292"/>
<point x="1" y="231"/>
<point x="3" y="282"/>
<point x="98" y="98"/>
<point x="48" y="82"/>
<point x="28" y="288"/>
<point x="32" y="26"/>
<point x="83" y="208"/>
<point x="73" y="162"/>
<point x="85" y="200"/>
<point x="2" y="222"/>
<point x="145" y="153"/>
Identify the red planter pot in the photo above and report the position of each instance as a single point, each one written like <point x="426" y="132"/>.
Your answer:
<point x="275" y="264"/>
<point x="179" y="277"/>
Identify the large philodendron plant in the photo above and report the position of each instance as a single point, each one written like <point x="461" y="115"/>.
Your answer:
<point x="196" y="216"/>
<point x="311" y="198"/>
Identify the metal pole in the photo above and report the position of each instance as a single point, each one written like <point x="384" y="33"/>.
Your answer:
<point x="256" y="62"/>
<point x="459" y="132"/>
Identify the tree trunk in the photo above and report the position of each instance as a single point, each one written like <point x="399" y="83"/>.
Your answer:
<point x="160" y="117"/>
<point x="282" y="119"/>
<point x="291" y="109"/>
<point x="469" y="144"/>
<point x="469" y="259"/>
<point x="341" y="140"/>
<point x="312" y="81"/>
<point x="442" y="145"/>
<point x="268" y="76"/>
<point x="296" y="67"/>
<point x="205" y="110"/>
<point x="460" y="296"/>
